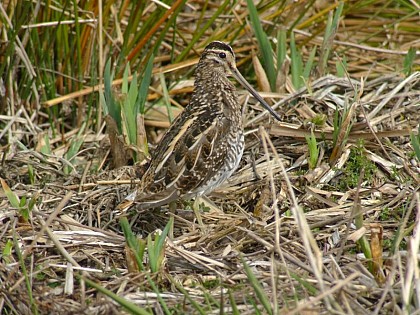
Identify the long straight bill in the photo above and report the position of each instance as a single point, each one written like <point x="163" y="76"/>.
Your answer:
<point x="238" y="76"/>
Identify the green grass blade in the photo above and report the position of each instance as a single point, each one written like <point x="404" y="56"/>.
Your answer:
<point x="409" y="61"/>
<point x="313" y="150"/>
<point x="13" y="198"/>
<point x="166" y="96"/>
<point x="78" y="43"/>
<point x="144" y="86"/>
<point x="341" y="66"/>
<point x="129" y="111"/>
<point x="125" y="82"/>
<point x="308" y="67"/>
<point x="162" y="239"/>
<point x="235" y="310"/>
<point x="159" y="296"/>
<point x="156" y="247"/>
<point x="264" y="45"/>
<point x="133" y="242"/>
<point x="330" y="31"/>
<point x="129" y="306"/>
<point x="103" y="103"/>
<point x="199" y="33"/>
<point x="255" y="307"/>
<point x="110" y="105"/>
<point x="363" y="241"/>
<point x="307" y="285"/>
<point x="6" y="254"/>
<point x="46" y="147"/>
<point x="135" y="29"/>
<point x="162" y="34"/>
<point x="34" y="307"/>
<point x="281" y="47"/>
<point x="181" y="289"/>
<point x="31" y="173"/>
<point x="73" y="150"/>
<point x="415" y="142"/>
<point x="258" y="289"/>
<point x="296" y="64"/>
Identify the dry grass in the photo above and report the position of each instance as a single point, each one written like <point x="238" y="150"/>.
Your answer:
<point x="300" y="230"/>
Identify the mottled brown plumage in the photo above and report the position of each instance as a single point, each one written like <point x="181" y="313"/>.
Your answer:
<point x="204" y="144"/>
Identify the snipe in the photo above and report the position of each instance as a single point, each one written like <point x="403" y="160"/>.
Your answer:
<point x="204" y="144"/>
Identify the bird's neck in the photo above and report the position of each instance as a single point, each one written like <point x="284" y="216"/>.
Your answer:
<point x="213" y="82"/>
<point x="214" y="92"/>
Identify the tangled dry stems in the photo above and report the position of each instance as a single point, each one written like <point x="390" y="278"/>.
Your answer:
<point x="294" y="229"/>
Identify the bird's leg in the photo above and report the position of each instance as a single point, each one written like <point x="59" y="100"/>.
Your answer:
<point x="254" y="165"/>
<point x="196" y="209"/>
<point x="172" y="210"/>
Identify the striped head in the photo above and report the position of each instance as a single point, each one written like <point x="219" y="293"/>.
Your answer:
<point x="219" y="57"/>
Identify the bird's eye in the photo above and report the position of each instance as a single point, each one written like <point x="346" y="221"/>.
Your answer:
<point x="222" y="55"/>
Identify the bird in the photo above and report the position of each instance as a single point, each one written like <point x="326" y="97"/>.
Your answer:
<point x="204" y="144"/>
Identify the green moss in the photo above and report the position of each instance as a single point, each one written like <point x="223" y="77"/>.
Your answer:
<point x="319" y="120"/>
<point x="353" y="168"/>
<point x="387" y="244"/>
<point x="385" y="214"/>
<point x="54" y="284"/>
<point x="211" y="284"/>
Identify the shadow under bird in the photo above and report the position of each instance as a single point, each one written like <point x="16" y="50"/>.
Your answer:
<point x="204" y="144"/>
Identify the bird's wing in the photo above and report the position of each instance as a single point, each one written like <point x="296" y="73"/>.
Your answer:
<point x="190" y="152"/>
